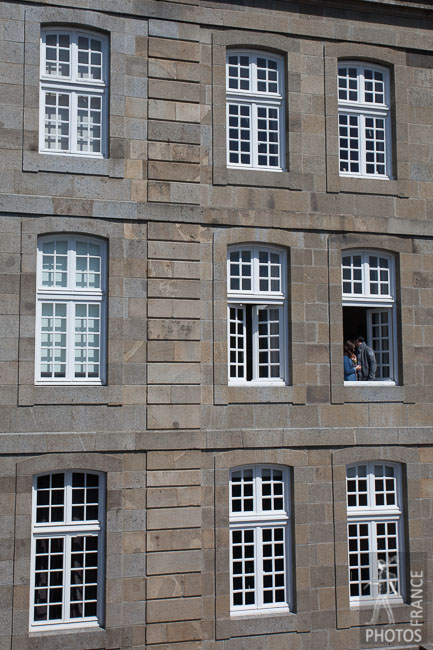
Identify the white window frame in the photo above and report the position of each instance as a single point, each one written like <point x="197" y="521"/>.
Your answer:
<point x="67" y="529"/>
<point x="377" y="304"/>
<point x="259" y="520"/>
<point x="259" y="300"/>
<point x="254" y="99"/>
<point x="71" y="296"/>
<point x="363" y="110"/>
<point x="73" y="87"/>
<point x="372" y="514"/>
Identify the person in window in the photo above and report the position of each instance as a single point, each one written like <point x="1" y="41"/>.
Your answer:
<point x="350" y="365"/>
<point x="366" y="359"/>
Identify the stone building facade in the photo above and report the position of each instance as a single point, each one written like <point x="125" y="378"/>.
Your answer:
<point x="164" y="414"/>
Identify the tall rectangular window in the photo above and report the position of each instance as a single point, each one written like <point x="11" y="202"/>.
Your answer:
<point x="255" y="110"/>
<point x="259" y="540"/>
<point x="257" y="315"/>
<point x="67" y="550"/>
<point x="73" y="93"/>
<point x="71" y="310"/>
<point x="369" y="289"/>
<point x="375" y="532"/>
<point x="364" y="117"/>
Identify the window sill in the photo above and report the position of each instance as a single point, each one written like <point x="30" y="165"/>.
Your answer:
<point x="363" y="185"/>
<point x="369" y="177"/>
<point x="223" y="175"/>
<point x="272" y="170"/>
<point x="397" y="601"/>
<point x="29" y="395"/>
<point x="46" y="630"/>
<point x="256" y="384"/>
<point x="247" y="625"/>
<point x="368" y="391"/>
<point x="48" y="382"/>
<point x="361" y="616"/>
<point x="252" y="613"/>
<point x="34" y="161"/>
<point x="260" y="394"/>
<point x="373" y="382"/>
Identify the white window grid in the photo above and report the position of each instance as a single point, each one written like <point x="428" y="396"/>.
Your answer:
<point x="368" y="280"/>
<point x="364" y="120"/>
<point x="67" y="551"/>
<point x="257" y="315"/>
<point x="259" y="540"/>
<point x="255" y="110"/>
<point x="375" y="532"/>
<point x="368" y="276"/>
<point x="70" y="311"/>
<point x="380" y="333"/>
<point x="73" y="93"/>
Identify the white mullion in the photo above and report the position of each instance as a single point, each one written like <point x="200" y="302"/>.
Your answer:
<point x="255" y="342"/>
<point x="33" y="563"/>
<point x="361" y="83"/>
<point x="102" y="336"/>
<point x="67" y="542"/>
<point x="101" y="545"/>
<point x="73" y="118"/>
<point x="366" y="290"/>
<point x="42" y="108"/>
<point x="388" y="145"/>
<point x="68" y="496"/>
<point x="70" y="335"/>
<point x="362" y="148"/>
<point x="38" y="339"/>
<point x="231" y="566"/>
<point x="67" y="578"/>
<point x="288" y="557"/>
<point x="255" y="268"/>
<point x="372" y="537"/>
<point x="72" y="267"/>
<point x="253" y="134"/>
<point x="74" y="56"/>
<point x="281" y="133"/>
<point x="393" y="347"/>
<point x="257" y="490"/>
<point x="253" y="87"/>
<point x="259" y="566"/>
<point x="284" y="344"/>
<point x="104" y="114"/>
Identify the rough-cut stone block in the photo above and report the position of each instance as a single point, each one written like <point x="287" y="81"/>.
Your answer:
<point x="174" y="329"/>
<point x="174" y="417"/>
<point x="174" y="562"/>
<point x="173" y="373"/>
<point x="169" y="610"/>
<point x="171" y="49"/>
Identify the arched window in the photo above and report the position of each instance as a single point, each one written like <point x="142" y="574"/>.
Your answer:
<point x="67" y="550"/>
<point x="364" y="119"/>
<point x="255" y="110"/>
<point x="71" y="310"/>
<point x="260" y="539"/>
<point x="257" y="315"/>
<point x="375" y="532"/>
<point x="73" y="92"/>
<point x="369" y="289"/>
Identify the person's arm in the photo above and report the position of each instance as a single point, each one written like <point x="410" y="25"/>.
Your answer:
<point x="372" y="364"/>
<point x="346" y="361"/>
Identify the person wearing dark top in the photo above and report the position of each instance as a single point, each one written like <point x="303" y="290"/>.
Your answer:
<point x="366" y="359"/>
<point x="350" y="366"/>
